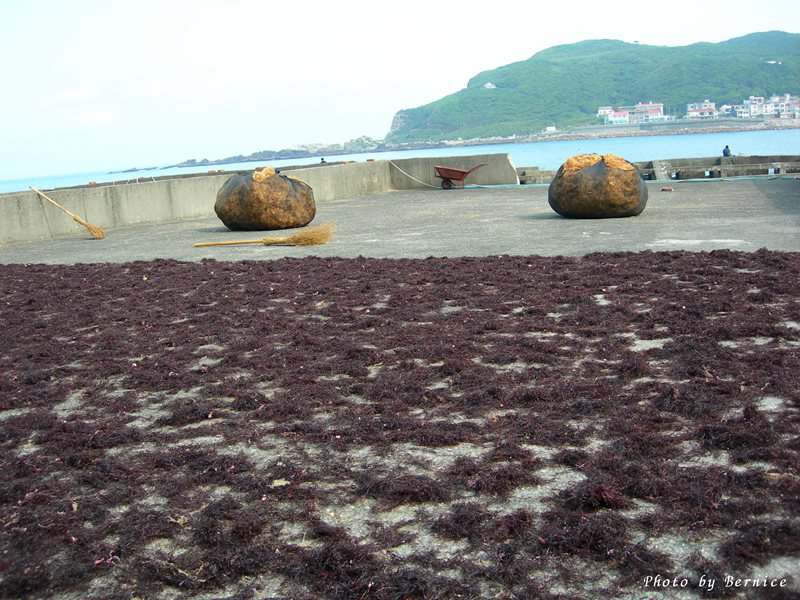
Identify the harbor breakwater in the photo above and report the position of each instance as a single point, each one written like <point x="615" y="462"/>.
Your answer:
<point x="26" y="217"/>
<point x="693" y="168"/>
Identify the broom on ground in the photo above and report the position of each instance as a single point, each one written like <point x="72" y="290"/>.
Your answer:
<point x="310" y="236"/>
<point x="97" y="232"/>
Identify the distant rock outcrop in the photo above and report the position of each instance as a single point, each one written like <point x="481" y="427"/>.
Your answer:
<point x="399" y="121"/>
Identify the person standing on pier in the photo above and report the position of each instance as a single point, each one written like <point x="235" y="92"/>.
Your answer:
<point x="726" y="152"/>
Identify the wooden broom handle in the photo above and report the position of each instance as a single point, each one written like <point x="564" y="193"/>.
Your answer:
<point x="49" y="199"/>
<point x="228" y="243"/>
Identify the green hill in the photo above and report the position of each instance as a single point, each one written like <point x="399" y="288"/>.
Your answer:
<point x="565" y="85"/>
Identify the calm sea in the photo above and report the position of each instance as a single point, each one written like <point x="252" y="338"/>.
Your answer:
<point x="545" y="155"/>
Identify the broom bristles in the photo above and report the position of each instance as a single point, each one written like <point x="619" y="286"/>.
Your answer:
<point x="310" y="236"/>
<point x="98" y="233"/>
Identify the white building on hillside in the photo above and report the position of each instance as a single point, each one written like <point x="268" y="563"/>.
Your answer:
<point x="702" y="110"/>
<point x="756" y="105"/>
<point x="782" y="107"/>
<point x="643" y="112"/>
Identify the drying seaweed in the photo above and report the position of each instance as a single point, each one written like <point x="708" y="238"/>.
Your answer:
<point x="510" y="427"/>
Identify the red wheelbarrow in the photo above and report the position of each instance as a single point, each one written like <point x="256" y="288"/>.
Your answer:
<point x="450" y="176"/>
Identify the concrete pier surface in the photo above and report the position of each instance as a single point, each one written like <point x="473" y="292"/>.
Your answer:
<point x="744" y="215"/>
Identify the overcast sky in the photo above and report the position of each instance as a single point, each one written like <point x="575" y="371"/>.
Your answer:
<point x="103" y="84"/>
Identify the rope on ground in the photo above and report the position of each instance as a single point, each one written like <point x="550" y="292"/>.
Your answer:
<point x="412" y="177"/>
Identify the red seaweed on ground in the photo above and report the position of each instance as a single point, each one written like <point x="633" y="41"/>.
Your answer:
<point x="511" y="427"/>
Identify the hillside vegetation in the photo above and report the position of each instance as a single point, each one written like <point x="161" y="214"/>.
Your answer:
<point x="565" y="85"/>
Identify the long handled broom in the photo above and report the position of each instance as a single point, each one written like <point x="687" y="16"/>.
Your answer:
<point x="97" y="232"/>
<point x="310" y="236"/>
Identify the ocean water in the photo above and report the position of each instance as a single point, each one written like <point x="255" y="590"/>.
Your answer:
<point x="545" y="155"/>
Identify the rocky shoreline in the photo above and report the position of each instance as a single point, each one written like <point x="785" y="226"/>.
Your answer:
<point x="678" y="128"/>
<point x="681" y="128"/>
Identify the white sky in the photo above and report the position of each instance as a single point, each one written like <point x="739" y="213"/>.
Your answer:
<point x="108" y="84"/>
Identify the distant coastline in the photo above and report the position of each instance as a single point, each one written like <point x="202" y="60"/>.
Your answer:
<point x="546" y="154"/>
<point x="683" y="127"/>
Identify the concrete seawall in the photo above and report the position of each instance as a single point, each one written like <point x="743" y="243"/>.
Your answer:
<point x="26" y="217"/>
<point x="693" y="168"/>
<point x="498" y="169"/>
<point x="715" y="166"/>
<point x="333" y="182"/>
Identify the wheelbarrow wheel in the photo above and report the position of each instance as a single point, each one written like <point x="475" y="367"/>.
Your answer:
<point x="447" y="184"/>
